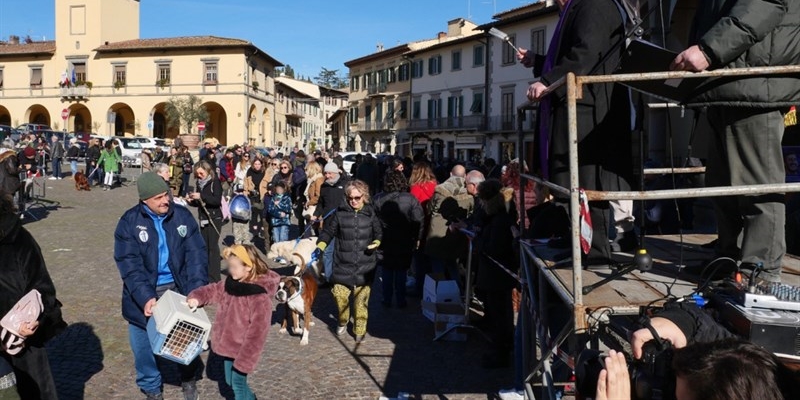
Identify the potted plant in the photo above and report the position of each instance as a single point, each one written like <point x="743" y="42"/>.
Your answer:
<point x="119" y="84"/>
<point x="255" y="86"/>
<point x="162" y="83"/>
<point x="183" y="113"/>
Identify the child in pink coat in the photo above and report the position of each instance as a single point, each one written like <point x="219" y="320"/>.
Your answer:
<point x="243" y="319"/>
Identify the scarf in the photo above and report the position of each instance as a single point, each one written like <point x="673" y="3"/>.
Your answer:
<point x="201" y="183"/>
<point x="546" y="104"/>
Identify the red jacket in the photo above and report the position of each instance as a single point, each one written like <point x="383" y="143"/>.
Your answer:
<point x="243" y="318"/>
<point x="423" y="192"/>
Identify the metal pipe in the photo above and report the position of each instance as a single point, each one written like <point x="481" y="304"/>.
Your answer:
<point x="574" y="204"/>
<point x="716" y="191"/>
<point x="686" y="170"/>
<point x="552" y="186"/>
<point x="656" y="76"/>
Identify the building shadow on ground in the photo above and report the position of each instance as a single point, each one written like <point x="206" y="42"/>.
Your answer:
<point x="75" y="356"/>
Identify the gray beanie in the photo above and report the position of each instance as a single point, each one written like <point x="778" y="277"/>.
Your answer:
<point x="151" y="184"/>
<point x="331" y="167"/>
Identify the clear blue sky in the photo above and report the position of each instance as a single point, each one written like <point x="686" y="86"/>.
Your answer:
<point x="307" y="34"/>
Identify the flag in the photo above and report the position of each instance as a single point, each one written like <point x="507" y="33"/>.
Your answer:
<point x="65" y="78"/>
<point x="790" y="119"/>
<point x="586" y="223"/>
<point x="74" y="76"/>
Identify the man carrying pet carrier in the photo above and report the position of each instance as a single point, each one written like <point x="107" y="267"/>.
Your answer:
<point x="157" y="248"/>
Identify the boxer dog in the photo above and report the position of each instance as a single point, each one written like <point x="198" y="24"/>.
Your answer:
<point x="295" y="252"/>
<point x="298" y="292"/>
<point x="81" y="182"/>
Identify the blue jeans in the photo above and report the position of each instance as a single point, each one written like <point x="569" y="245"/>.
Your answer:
<point x="56" y="167"/>
<point x="148" y="376"/>
<point x="73" y="166"/>
<point x="327" y="259"/>
<point x="237" y="381"/>
<point x="280" y="233"/>
<point x="394" y="282"/>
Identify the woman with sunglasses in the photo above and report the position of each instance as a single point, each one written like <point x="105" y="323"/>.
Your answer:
<point x="357" y="230"/>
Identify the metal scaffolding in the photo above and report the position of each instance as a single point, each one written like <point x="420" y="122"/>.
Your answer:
<point x="535" y="325"/>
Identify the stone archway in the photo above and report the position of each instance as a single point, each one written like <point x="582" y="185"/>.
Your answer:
<point x="37" y="114"/>
<point x="266" y="129"/>
<point x="124" y="121"/>
<point x="80" y="119"/>
<point x="5" y="116"/>
<point x="161" y="128"/>
<point x="217" y="124"/>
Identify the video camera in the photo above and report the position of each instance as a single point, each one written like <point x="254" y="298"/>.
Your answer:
<point x="652" y="377"/>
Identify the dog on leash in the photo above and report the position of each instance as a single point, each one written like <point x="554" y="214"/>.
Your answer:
<point x="297" y="293"/>
<point x="297" y="253"/>
<point x="81" y="182"/>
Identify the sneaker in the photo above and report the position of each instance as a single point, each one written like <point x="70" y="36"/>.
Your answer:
<point x="60" y="178"/>
<point x="511" y="394"/>
<point x="52" y="178"/>
<point x="190" y="390"/>
<point x="154" y="396"/>
<point x="360" y="338"/>
<point x="341" y="330"/>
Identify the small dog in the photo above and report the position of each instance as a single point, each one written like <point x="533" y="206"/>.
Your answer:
<point x="81" y="182"/>
<point x="297" y="253"/>
<point x="298" y="294"/>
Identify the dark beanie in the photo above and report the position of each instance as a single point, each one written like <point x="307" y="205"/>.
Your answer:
<point x="151" y="184"/>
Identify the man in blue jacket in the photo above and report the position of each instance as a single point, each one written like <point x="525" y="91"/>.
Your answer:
<point x="157" y="248"/>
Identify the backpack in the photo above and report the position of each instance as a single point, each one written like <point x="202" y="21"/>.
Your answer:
<point x="298" y="175"/>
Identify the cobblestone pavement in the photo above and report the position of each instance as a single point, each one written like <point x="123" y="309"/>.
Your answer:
<point x="92" y="358"/>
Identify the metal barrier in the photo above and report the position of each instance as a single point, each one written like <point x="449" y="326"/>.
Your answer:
<point x="535" y="323"/>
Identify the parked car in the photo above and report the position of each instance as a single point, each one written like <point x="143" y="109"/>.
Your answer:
<point x="131" y="150"/>
<point x="163" y="144"/>
<point x="349" y="158"/>
<point x="28" y="128"/>
<point x="8" y="132"/>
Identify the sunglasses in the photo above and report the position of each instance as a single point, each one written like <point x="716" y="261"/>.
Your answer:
<point x="284" y="167"/>
<point x="246" y="156"/>
<point x="355" y="198"/>
<point x="274" y="164"/>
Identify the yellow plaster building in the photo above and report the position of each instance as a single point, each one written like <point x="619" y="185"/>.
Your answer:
<point x="112" y="82"/>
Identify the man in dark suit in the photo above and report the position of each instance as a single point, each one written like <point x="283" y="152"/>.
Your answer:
<point x="587" y="31"/>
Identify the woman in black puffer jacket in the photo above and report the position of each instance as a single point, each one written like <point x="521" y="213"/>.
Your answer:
<point x="357" y="231"/>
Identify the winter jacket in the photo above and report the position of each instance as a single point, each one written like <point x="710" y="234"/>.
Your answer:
<point x="401" y="220"/>
<point x="354" y="230"/>
<point x="240" y="172"/>
<point x="496" y="241"/>
<point x="175" y="171"/>
<point x="696" y="323"/>
<point x="313" y="189"/>
<point x="136" y="253"/>
<point x="745" y="34"/>
<point x="252" y="183"/>
<point x="211" y="197"/>
<point x="9" y="173"/>
<point x="57" y="150"/>
<point x="331" y="196"/>
<point x="274" y="210"/>
<point x="23" y="269"/>
<point x="92" y="155"/>
<point x="73" y="152"/>
<point x="243" y="318"/>
<point x="450" y="203"/>
<point x="109" y="160"/>
<point x="226" y="169"/>
<point x="423" y="192"/>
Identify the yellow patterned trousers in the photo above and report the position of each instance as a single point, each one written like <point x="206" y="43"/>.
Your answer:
<point x="360" y="294"/>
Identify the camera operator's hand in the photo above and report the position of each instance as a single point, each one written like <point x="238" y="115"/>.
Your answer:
<point x="614" y="382"/>
<point x="665" y="328"/>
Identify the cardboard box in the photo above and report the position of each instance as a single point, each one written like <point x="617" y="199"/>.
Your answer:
<point x="446" y="315"/>
<point x="439" y="290"/>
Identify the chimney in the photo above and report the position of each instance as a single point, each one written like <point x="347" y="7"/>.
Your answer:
<point x="13" y="39"/>
<point x="442" y="35"/>
<point x="379" y="47"/>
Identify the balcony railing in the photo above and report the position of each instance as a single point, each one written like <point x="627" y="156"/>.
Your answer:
<point x="75" y="92"/>
<point x="376" y="89"/>
<point x="469" y="122"/>
<point x="295" y="112"/>
<point x="502" y="123"/>
<point x="365" y="126"/>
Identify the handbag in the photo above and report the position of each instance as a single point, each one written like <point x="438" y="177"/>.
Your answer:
<point x="27" y="310"/>
<point x="308" y="213"/>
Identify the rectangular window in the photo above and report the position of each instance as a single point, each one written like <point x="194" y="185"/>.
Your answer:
<point x="80" y="72"/>
<point x="211" y="73"/>
<point x="119" y="75"/>
<point x="454" y="107"/>
<point x="392" y="74"/>
<point x="456" y="60"/>
<point x="537" y="41"/>
<point x="477" y="103"/>
<point x="402" y="72"/>
<point x="36" y="77"/>
<point x="415" y="112"/>
<point x="435" y="65"/>
<point x="164" y="74"/>
<point x="509" y="54"/>
<point x="367" y="112"/>
<point x="434" y="108"/>
<point x="477" y="56"/>
<point x="417" y="69"/>
<point x="403" y="113"/>
<point x="507" y="110"/>
<point x="390" y="110"/>
<point x="1" y="78"/>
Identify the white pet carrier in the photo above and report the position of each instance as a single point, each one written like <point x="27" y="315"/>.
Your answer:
<point x="176" y="332"/>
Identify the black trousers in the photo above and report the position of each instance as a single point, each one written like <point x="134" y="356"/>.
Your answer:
<point x="211" y="238"/>
<point x="499" y="314"/>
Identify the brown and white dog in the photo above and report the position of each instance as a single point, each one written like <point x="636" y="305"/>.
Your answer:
<point x="298" y="294"/>
<point x="81" y="182"/>
<point x="297" y="253"/>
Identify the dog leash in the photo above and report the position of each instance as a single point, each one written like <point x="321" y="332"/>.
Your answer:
<point x="310" y="225"/>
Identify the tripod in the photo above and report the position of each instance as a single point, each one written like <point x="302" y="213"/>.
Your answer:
<point x="38" y="189"/>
